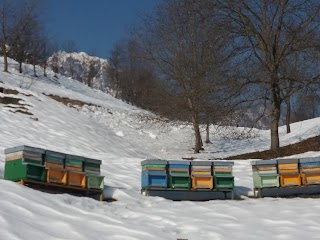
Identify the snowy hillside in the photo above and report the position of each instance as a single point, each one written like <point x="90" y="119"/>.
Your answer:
<point x="114" y="132"/>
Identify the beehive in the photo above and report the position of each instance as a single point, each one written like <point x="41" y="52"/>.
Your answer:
<point x="17" y="170"/>
<point x="288" y="170"/>
<point x="179" y="174"/>
<point x="56" y="175"/>
<point x="54" y="159"/>
<point x="91" y="166"/>
<point x="265" y="174"/>
<point x="94" y="182"/>
<point x="201" y="175"/>
<point x="75" y="178"/>
<point x="25" y="153"/>
<point x="222" y="172"/>
<point x="74" y="163"/>
<point x="154" y="174"/>
<point x="310" y="170"/>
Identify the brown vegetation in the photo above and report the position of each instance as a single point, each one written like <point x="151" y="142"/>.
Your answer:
<point x="310" y="144"/>
<point x="70" y="102"/>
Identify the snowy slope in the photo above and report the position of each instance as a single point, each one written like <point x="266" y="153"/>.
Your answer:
<point x="114" y="133"/>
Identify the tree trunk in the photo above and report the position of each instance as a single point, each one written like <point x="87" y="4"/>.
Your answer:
<point x="5" y="59"/>
<point x="207" y="132"/>
<point x="197" y="134"/>
<point x="34" y="70"/>
<point x="44" y="69"/>
<point x="196" y="128"/>
<point x="20" y="67"/>
<point x="275" y="117"/>
<point x="288" y="115"/>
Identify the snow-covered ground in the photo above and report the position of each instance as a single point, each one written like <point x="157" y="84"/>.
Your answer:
<point x="117" y="134"/>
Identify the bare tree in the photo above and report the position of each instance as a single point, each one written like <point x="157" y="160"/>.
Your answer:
<point x="181" y="39"/>
<point x="269" y="33"/>
<point x="17" y="24"/>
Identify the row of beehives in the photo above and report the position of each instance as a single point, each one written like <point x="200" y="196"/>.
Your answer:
<point x="182" y="174"/>
<point x="29" y="163"/>
<point x="286" y="172"/>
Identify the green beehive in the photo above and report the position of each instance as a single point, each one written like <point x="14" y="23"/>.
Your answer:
<point x="179" y="181"/>
<point x="74" y="163"/>
<point x="222" y="173"/>
<point x="154" y="165"/>
<point x="223" y="182"/>
<point x="91" y="166"/>
<point x="16" y="170"/>
<point x="264" y="174"/>
<point x="95" y="182"/>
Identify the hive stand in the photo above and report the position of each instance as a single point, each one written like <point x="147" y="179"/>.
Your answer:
<point x="190" y="195"/>
<point x="54" y="188"/>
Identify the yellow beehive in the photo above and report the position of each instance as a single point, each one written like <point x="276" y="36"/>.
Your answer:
<point x="202" y="182"/>
<point x="310" y="178"/>
<point x="288" y="180"/>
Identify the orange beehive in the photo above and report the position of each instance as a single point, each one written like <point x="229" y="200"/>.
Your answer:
<point x="76" y="179"/>
<point x="56" y="175"/>
<point x="289" y="174"/>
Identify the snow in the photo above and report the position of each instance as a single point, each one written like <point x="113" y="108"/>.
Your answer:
<point x="115" y="132"/>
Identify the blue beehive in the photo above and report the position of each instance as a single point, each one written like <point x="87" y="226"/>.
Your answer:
<point x="154" y="174"/>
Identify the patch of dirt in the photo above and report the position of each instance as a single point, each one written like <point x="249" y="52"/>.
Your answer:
<point x="21" y="111"/>
<point x="310" y="144"/>
<point x="70" y="102"/>
<point x="13" y="103"/>
<point x="10" y="100"/>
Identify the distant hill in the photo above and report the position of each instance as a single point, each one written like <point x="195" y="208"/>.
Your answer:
<point x="80" y="66"/>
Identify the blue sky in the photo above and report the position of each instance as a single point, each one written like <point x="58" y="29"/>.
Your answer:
<point x="94" y="25"/>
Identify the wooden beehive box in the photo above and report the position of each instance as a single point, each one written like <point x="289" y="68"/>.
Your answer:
<point x="179" y="174"/>
<point x="26" y="153"/>
<point x="54" y="159"/>
<point x="201" y="168"/>
<point x="154" y="179"/>
<point x="222" y="173"/>
<point x="310" y="170"/>
<point x="92" y="166"/>
<point x="16" y="170"/>
<point x="289" y="174"/>
<point x="74" y="163"/>
<point x="265" y="174"/>
<point x="201" y="175"/>
<point x="94" y="182"/>
<point x="75" y="178"/>
<point x="202" y="182"/>
<point x="56" y="175"/>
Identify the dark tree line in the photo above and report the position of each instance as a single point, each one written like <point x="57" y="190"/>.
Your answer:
<point x="203" y="61"/>
<point x="22" y="35"/>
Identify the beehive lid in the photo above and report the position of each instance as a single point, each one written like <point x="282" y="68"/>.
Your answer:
<point x="91" y="160"/>
<point x="310" y="159"/>
<point x="264" y="162"/>
<point x="289" y="160"/>
<point x="182" y="162"/>
<point x="153" y="161"/>
<point x="55" y="154"/>
<point x="201" y="163"/>
<point x="24" y="148"/>
<point x="74" y="157"/>
<point x="223" y="163"/>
